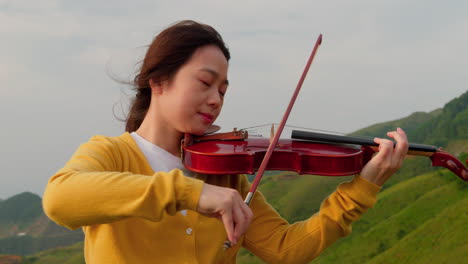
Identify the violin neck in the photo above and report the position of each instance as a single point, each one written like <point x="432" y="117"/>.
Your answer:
<point x="414" y="149"/>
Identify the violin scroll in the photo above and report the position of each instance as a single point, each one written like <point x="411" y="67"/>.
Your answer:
<point x="446" y="160"/>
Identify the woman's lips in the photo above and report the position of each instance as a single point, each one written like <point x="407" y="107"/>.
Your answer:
<point x="207" y="117"/>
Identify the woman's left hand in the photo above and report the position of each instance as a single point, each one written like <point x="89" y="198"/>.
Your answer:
<point x="388" y="159"/>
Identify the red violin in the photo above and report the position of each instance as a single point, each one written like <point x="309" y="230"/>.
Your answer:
<point x="307" y="153"/>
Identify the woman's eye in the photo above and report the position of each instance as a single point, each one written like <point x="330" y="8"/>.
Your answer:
<point x="205" y="83"/>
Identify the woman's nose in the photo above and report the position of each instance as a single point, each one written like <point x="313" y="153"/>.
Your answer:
<point x="215" y="98"/>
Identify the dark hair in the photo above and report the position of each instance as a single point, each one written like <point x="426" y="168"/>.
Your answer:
<point x="171" y="49"/>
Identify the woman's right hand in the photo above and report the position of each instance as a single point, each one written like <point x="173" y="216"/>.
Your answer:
<point x="227" y="205"/>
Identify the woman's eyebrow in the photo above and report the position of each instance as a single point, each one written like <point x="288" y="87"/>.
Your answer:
<point x="214" y="73"/>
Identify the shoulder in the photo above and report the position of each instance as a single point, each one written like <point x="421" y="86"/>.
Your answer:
<point x="123" y="139"/>
<point x="107" y="143"/>
<point x="108" y="147"/>
<point x="110" y="153"/>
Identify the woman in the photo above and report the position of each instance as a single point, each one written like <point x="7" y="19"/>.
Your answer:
<point x="137" y="204"/>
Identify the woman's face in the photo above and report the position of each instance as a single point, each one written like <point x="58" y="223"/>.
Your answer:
<point x="192" y="100"/>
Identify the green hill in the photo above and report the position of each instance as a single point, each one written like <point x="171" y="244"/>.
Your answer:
<point x="19" y="211"/>
<point x="451" y="124"/>
<point x="438" y="127"/>
<point x="446" y="128"/>
<point x="25" y="229"/>
<point x="410" y="124"/>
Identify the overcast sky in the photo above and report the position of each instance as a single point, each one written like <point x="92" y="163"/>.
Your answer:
<point x="379" y="61"/>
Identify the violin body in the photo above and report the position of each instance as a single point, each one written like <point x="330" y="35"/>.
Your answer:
<point x="245" y="156"/>
<point x="326" y="155"/>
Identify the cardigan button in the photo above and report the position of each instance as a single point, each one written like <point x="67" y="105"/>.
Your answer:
<point x="188" y="231"/>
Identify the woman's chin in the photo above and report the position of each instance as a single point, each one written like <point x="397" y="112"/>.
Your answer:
<point x="199" y="131"/>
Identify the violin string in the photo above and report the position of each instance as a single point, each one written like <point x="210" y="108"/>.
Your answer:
<point x="292" y="126"/>
<point x="317" y="130"/>
<point x="333" y="132"/>
<point x="255" y="129"/>
<point x="248" y="128"/>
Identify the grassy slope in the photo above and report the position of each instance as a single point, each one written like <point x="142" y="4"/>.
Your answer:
<point x="403" y="213"/>
<point x="442" y="239"/>
<point x="424" y="206"/>
<point x="66" y="255"/>
<point x="303" y="196"/>
<point x="25" y="245"/>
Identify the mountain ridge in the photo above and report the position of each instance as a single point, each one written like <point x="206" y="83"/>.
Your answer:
<point x="25" y="229"/>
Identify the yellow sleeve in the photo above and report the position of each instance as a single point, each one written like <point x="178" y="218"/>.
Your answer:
<point x="96" y="187"/>
<point x="271" y="238"/>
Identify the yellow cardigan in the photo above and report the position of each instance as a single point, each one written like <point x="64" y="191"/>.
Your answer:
<point x="131" y="214"/>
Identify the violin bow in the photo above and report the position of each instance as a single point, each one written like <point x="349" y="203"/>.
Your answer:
<point x="274" y="141"/>
<point x="277" y="134"/>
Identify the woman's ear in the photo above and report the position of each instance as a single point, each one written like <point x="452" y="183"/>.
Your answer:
<point x="156" y="86"/>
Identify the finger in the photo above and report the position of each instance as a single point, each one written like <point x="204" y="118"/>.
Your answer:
<point x="399" y="151"/>
<point x="228" y="224"/>
<point x="239" y="221"/>
<point x="247" y="212"/>
<point x="401" y="147"/>
<point x="399" y="135"/>
<point x="385" y="147"/>
<point x="383" y="159"/>
<point x="246" y="215"/>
